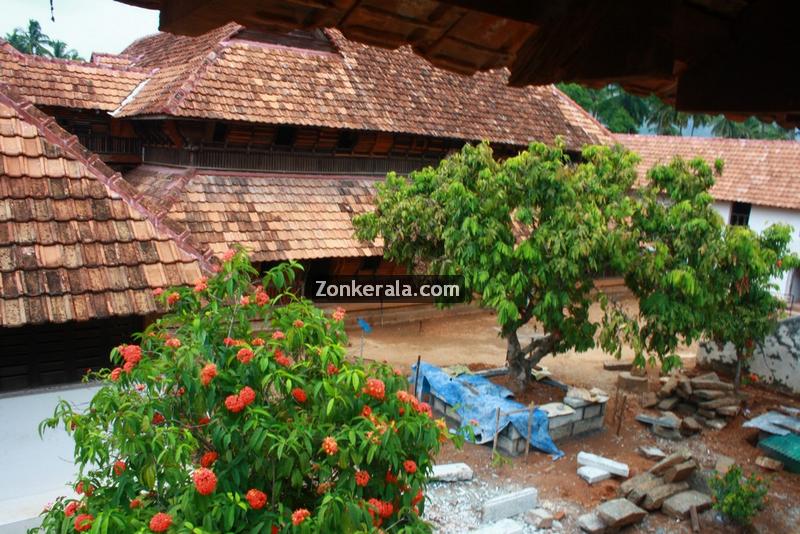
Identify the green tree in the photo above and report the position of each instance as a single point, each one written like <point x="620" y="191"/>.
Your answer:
<point x="61" y="50"/>
<point x="31" y="41"/>
<point x="529" y="235"/>
<point x="212" y="427"/>
<point x="745" y="308"/>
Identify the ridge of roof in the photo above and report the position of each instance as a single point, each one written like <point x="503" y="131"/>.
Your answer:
<point x="696" y="139"/>
<point x="53" y="133"/>
<point x="8" y="47"/>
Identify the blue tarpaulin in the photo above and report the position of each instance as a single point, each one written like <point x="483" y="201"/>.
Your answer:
<point x="475" y="398"/>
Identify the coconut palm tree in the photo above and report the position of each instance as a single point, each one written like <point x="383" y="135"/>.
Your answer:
<point x="32" y="41"/>
<point x="59" y="50"/>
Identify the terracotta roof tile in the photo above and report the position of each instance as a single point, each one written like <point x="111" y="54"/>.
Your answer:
<point x="99" y="85"/>
<point x="73" y="243"/>
<point x="759" y="172"/>
<point x="275" y="216"/>
<point x="219" y="76"/>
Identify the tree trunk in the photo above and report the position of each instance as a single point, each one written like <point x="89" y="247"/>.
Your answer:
<point x="518" y="366"/>
<point x="521" y="360"/>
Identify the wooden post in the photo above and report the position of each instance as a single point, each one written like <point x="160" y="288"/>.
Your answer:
<point x="530" y="429"/>
<point x="416" y="375"/>
<point x="621" y="413"/>
<point x="496" y="431"/>
<point x="695" y="519"/>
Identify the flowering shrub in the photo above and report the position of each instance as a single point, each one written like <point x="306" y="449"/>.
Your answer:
<point x="737" y="497"/>
<point x="209" y="425"/>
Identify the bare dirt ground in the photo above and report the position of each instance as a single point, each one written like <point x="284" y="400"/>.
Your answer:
<point x="473" y="340"/>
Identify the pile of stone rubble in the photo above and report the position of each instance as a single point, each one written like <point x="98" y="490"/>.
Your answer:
<point x="686" y="405"/>
<point x="663" y="487"/>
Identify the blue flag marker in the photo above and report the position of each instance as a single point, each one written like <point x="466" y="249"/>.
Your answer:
<point x="364" y="325"/>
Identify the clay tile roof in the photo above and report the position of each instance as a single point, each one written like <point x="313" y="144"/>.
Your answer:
<point x="75" y="240"/>
<point x="274" y="216"/>
<point x="221" y="76"/>
<point x="101" y="85"/>
<point x="761" y="172"/>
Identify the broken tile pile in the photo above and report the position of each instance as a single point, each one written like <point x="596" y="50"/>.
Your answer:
<point x="663" y="487"/>
<point x="686" y="405"/>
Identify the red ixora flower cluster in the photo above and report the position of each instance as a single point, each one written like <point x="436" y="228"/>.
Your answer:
<point x="83" y="522"/>
<point x="208" y="459"/>
<point x="173" y="297"/>
<point x="339" y="313"/>
<point x="379" y="510"/>
<point x="115" y="374"/>
<point x="261" y="296"/>
<point x="244" y="355"/>
<point x="208" y="373"/>
<point x="237" y="403"/>
<point x="160" y="522"/>
<point x="297" y="323"/>
<point x="299" y="395"/>
<point x="257" y="342"/>
<point x="173" y="343"/>
<point x="282" y="359"/>
<point x="228" y="254"/>
<point x="201" y="285"/>
<point x="119" y="467"/>
<point x="256" y="498"/>
<point x="362" y="478"/>
<point x="300" y="515"/>
<point x="410" y="466"/>
<point x="245" y="300"/>
<point x="332" y="369"/>
<point x="419" y="407"/>
<point x="88" y="489"/>
<point x="205" y="481"/>
<point x="330" y="446"/>
<point x="375" y="388"/>
<point x="132" y="354"/>
<point x="71" y="508"/>
<point x="278" y="335"/>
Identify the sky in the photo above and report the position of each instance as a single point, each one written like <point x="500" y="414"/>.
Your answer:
<point x="85" y="25"/>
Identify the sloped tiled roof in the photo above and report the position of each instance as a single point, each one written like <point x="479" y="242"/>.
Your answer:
<point x="761" y="172"/>
<point x="75" y="241"/>
<point x="220" y="76"/>
<point x="274" y="216"/>
<point x="67" y="83"/>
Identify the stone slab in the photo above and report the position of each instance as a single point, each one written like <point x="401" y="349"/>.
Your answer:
<point x="613" y="467"/>
<point x="680" y="504"/>
<point x="652" y="453"/>
<point x="716" y="424"/>
<point x="680" y="472"/>
<point x="618" y="365"/>
<point x="649" y="399"/>
<point x="629" y="382"/>
<point x="452" y="472"/>
<point x="658" y="421"/>
<point x="504" y="526"/>
<point x="724" y="464"/>
<point x="510" y="504"/>
<point x="769" y="463"/>
<point x="656" y="496"/>
<point x="697" y="383"/>
<point x="591" y="523"/>
<point x="637" y="487"/>
<point x="619" y="513"/>
<point x="593" y="475"/>
<point x="673" y="459"/>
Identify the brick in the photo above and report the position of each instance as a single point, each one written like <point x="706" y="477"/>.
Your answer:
<point x="539" y="518"/>
<point x="593" y="475"/>
<point x="504" y="526"/>
<point x="452" y="472"/>
<point x="613" y="467"/>
<point x="619" y="513"/>
<point x="510" y="505"/>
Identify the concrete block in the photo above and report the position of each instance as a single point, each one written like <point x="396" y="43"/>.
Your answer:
<point x="592" y="475"/>
<point x="561" y="432"/>
<point x="587" y="425"/>
<point x="504" y="526"/>
<point x="575" y="402"/>
<point x="510" y="505"/>
<point x="452" y="472"/>
<point x="613" y="467"/>
<point x="592" y="410"/>
<point x="680" y="504"/>
<point x="629" y="382"/>
<point x="620" y="513"/>
<point x="591" y="523"/>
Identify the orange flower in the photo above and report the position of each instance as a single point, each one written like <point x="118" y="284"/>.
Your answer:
<point x="83" y="522"/>
<point x="330" y="446"/>
<point x="172" y="298"/>
<point x="299" y="395"/>
<point x="362" y="478"/>
<point x="208" y="373"/>
<point x="160" y="522"/>
<point x="410" y="466"/>
<point x="297" y="323"/>
<point x="209" y="458"/>
<point x="375" y="388"/>
<point x="173" y="343"/>
<point x="119" y="467"/>
<point x="135" y="503"/>
<point x="115" y="374"/>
